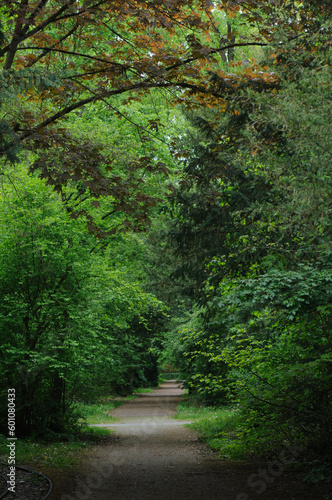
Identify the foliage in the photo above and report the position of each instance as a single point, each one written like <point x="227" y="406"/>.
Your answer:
<point x="66" y="317"/>
<point x="61" y="59"/>
<point x="250" y="188"/>
<point x="241" y="256"/>
<point x="191" y="351"/>
<point x="251" y="233"/>
<point x="275" y="340"/>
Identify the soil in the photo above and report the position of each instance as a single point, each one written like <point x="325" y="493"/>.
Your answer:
<point x="151" y="456"/>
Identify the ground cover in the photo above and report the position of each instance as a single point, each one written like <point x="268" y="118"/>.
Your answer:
<point x="222" y="430"/>
<point x="219" y="428"/>
<point x="57" y="454"/>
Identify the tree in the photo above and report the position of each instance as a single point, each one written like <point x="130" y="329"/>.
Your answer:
<point x="59" y="57"/>
<point x="63" y="51"/>
<point x="68" y="319"/>
<point x="264" y="150"/>
<point x="252" y="229"/>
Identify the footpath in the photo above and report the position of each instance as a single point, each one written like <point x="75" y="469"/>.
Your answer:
<point x="152" y="456"/>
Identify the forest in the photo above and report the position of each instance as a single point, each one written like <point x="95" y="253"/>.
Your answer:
<point x="165" y="205"/>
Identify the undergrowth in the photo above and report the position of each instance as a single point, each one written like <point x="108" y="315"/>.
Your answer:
<point x="226" y="431"/>
<point x="99" y="412"/>
<point x="144" y="390"/>
<point x="58" y="454"/>
<point x="218" y="427"/>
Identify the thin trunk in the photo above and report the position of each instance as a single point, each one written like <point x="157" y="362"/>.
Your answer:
<point x="17" y="35"/>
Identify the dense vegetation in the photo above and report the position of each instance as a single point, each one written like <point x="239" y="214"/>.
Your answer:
<point x="165" y="199"/>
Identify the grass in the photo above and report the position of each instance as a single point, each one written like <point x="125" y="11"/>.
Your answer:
<point x="218" y="427"/>
<point x="56" y="454"/>
<point x="189" y="410"/>
<point x="99" y="412"/>
<point x="60" y="454"/>
<point x="144" y="390"/>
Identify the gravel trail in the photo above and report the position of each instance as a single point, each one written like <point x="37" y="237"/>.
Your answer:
<point x="154" y="457"/>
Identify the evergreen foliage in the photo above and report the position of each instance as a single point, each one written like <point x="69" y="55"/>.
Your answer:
<point x="252" y="235"/>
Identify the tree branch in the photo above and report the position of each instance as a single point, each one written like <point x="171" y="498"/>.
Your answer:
<point x="215" y="51"/>
<point x="46" y="51"/>
<point x="80" y="54"/>
<point x="68" y="109"/>
<point x="38" y="28"/>
<point x="17" y="36"/>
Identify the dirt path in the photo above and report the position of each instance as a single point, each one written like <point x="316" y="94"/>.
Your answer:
<point x="154" y="457"/>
